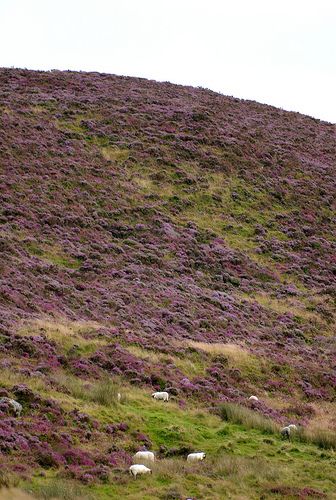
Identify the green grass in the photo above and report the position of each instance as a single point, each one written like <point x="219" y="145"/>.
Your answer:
<point x="250" y="419"/>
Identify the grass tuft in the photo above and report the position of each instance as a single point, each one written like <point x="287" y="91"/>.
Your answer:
<point x="323" y="438"/>
<point x="104" y="391"/>
<point x="60" y="489"/>
<point x="249" y="419"/>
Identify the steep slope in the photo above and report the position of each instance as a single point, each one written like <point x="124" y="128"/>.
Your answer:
<point x="140" y="223"/>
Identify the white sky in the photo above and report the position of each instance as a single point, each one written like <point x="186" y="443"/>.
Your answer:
<point x="281" y="52"/>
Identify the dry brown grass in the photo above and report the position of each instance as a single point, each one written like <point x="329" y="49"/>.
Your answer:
<point x="11" y="376"/>
<point x="234" y="352"/>
<point x="237" y="355"/>
<point x="144" y="183"/>
<point x="170" y="467"/>
<point x="324" y="418"/>
<point x="64" y="332"/>
<point x="323" y="438"/>
<point x="139" y="352"/>
<point x="283" y="306"/>
<point x="228" y="465"/>
<point x="14" y="494"/>
<point x="188" y="366"/>
<point x="115" y="154"/>
<point x="274" y="402"/>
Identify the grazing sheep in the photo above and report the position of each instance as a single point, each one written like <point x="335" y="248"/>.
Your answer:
<point x="285" y="432"/>
<point x="196" y="457"/>
<point x="119" y="397"/>
<point x="144" y="455"/>
<point x="161" y="395"/>
<point x="292" y="427"/>
<point x="17" y="408"/>
<point x="253" y="398"/>
<point x="136" y="469"/>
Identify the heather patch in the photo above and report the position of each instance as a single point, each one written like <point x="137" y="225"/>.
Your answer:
<point x="142" y="223"/>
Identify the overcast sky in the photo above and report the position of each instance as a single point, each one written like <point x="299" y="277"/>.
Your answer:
<point x="281" y="52"/>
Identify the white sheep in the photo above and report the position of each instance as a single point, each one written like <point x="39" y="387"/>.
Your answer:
<point x="119" y="397"/>
<point x="292" y="427"/>
<point x="136" y="469"/>
<point x="144" y="455"/>
<point x="14" y="404"/>
<point x="161" y="395"/>
<point x="285" y="432"/>
<point x="253" y="398"/>
<point x="196" y="457"/>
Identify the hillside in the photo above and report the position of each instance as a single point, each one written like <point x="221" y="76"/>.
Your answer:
<point x="155" y="236"/>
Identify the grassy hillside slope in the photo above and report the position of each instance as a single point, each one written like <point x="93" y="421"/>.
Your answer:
<point x="155" y="236"/>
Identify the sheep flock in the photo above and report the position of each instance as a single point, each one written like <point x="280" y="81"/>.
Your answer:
<point x="138" y="469"/>
<point x="149" y="456"/>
